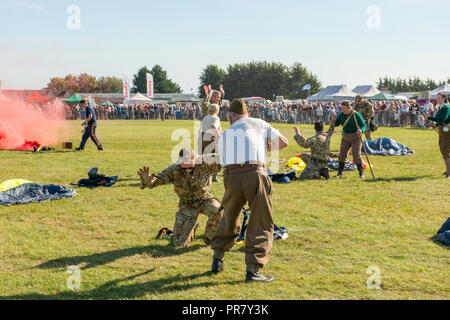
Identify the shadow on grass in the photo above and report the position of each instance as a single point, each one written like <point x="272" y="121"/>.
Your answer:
<point x="112" y="290"/>
<point x="98" y="259"/>
<point x="439" y="243"/>
<point x="369" y="178"/>
<point x="128" y="185"/>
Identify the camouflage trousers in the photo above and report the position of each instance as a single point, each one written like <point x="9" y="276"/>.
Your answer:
<point x="186" y="221"/>
<point x="367" y="133"/>
<point x="313" y="167"/>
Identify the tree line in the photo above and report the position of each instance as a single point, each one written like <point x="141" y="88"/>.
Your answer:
<point x="413" y="84"/>
<point x="260" y="78"/>
<point x="257" y="78"/>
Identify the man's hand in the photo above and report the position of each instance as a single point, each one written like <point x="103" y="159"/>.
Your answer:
<point x="221" y="90"/>
<point x="297" y="130"/>
<point x="146" y="179"/>
<point x="359" y="133"/>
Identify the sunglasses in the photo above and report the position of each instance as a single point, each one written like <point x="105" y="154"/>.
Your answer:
<point x="187" y="168"/>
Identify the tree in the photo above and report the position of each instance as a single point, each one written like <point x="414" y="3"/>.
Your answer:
<point x="299" y="76"/>
<point x="56" y="85"/>
<point x="264" y="79"/>
<point x="211" y="75"/>
<point x="162" y="84"/>
<point x="87" y="84"/>
<point x="414" y="84"/>
<point x="140" y="81"/>
<point x="110" y="84"/>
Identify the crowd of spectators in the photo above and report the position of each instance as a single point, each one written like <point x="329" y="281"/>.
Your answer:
<point x="387" y="113"/>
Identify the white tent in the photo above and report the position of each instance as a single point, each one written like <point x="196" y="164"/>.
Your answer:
<point x="445" y="88"/>
<point x="366" y="91"/>
<point x="137" y="98"/>
<point x="333" y="93"/>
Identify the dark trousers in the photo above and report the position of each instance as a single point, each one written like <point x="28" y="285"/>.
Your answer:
<point x="89" y="132"/>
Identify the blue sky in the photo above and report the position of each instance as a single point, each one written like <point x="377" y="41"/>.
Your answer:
<point x="331" y="38"/>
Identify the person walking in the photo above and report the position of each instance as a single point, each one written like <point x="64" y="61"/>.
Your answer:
<point x="353" y="127"/>
<point x="442" y="120"/>
<point x="90" y="126"/>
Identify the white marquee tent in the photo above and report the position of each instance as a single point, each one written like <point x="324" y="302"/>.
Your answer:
<point x="366" y="91"/>
<point x="444" y="88"/>
<point x="137" y="98"/>
<point x="333" y="93"/>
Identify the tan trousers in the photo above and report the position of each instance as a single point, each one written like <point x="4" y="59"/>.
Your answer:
<point x="444" y="143"/>
<point x="254" y="187"/>
<point x="350" y="140"/>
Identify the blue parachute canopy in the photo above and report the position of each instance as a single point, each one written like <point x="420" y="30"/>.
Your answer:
<point x="386" y="147"/>
<point x="22" y="191"/>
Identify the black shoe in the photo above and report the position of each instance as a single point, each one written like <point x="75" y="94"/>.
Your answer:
<point x="100" y="149"/>
<point x="217" y="266"/>
<point x="78" y="149"/>
<point x="257" y="277"/>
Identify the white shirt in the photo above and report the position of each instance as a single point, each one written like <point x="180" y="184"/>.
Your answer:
<point x="210" y="121"/>
<point x="246" y="141"/>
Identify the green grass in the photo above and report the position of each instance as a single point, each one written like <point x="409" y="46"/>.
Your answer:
<point x="337" y="228"/>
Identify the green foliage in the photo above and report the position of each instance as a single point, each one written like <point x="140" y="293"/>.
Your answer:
<point x="140" y="81"/>
<point x="84" y="83"/>
<point x="110" y="84"/>
<point x="261" y="78"/>
<point x="414" y="84"/>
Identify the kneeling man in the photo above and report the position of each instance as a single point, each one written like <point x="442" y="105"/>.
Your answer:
<point x="190" y="176"/>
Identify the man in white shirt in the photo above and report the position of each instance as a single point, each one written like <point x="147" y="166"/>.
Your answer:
<point x="242" y="150"/>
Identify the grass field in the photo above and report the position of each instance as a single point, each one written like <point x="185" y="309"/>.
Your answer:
<point x="337" y="228"/>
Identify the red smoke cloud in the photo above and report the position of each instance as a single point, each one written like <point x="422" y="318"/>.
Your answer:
<point x="23" y="126"/>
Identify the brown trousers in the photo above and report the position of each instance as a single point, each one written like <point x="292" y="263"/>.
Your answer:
<point x="256" y="188"/>
<point x="350" y="140"/>
<point x="444" y="143"/>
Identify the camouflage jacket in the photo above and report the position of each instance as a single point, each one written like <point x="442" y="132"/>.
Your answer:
<point x="365" y="109"/>
<point x="319" y="144"/>
<point x="189" y="187"/>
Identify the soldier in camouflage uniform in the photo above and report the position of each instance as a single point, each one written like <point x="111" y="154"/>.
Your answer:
<point x="162" y="112"/>
<point x="190" y="176"/>
<point x="364" y="107"/>
<point x="317" y="161"/>
<point x="213" y="97"/>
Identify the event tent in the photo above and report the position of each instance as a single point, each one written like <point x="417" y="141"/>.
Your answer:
<point x="75" y="99"/>
<point x="333" y="93"/>
<point x="107" y="103"/>
<point x="37" y="97"/>
<point x="366" y="91"/>
<point x="137" y="98"/>
<point x="445" y="88"/>
<point x="387" y="97"/>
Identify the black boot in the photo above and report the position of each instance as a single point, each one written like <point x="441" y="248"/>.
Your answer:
<point x="360" y="170"/>
<point x="217" y="266"/>
<point x="340" y="169"/>
<point x="253" y="275"/>
<point x="324" y="173"/>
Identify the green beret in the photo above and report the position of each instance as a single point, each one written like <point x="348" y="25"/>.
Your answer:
<point x="238" y="106"/>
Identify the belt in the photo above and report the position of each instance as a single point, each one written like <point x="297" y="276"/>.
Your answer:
<point x="244" y="167"/>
